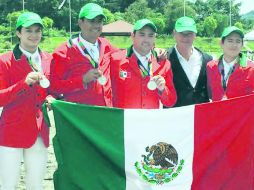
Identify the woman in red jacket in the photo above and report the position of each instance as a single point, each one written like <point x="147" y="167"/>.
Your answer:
<point x="232" y="75"/>
<point x="24" y="83"/>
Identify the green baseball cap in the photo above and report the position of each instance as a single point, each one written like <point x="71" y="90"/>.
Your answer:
<point x="90" y="11"/>
<point x="144" y="22"/>
<point x="27" y="19"/>
<point x="185" y="24"/>
<point x="227" y="31"/>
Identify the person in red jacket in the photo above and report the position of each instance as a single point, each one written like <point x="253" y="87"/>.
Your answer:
<point x="232" y="75"/>
<point x="24" y="82"/>
<point x="139" y="78"/>
<point x="78" y="72"/>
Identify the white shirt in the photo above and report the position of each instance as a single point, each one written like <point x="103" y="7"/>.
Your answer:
<point x="143" y="59"/>
<point x="192" y="66"/>
<point x="35" y="57"/>
<point x="228" y="67"/>
<point x="1" y="109"/>
<point x="93" y="49"/>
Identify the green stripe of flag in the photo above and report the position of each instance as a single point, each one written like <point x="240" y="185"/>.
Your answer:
<point x="93" y="156"/>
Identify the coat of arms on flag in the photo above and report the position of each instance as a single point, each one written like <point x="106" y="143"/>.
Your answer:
<point x="160" y="165"/>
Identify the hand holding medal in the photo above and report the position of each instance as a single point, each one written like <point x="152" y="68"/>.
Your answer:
<point x="94" y="74"/>
<point x="156" y="82"/>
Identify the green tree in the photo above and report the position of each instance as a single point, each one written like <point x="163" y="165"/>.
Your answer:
<point x="222" y="22"/>
<point x="158" y="5"/>
<point x="210" y="25"/>
<point x="175" y="10"/>
<point x="202" y="10"/>
<point x="119" y="16"/>
<point x="47" y="23"/>
<point x="12" y="19"/>
<point x="239" y="25"/>
<point x="110" y="16"/>
<point x="137" y="10"/>
<point x="200" y="28"/>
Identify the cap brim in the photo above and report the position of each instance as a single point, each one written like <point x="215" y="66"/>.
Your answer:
<point x="152" y="26"/>
<point x="148" y="24"/>
<point x="93" y="15"/>
<point x="30" y="23"/>
<point x="236" y="31"/>
<point x="186" y="29"/>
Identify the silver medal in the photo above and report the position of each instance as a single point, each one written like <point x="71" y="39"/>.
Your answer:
<point x="102" y="80"/>
<point x="44" y="82"/>
<point x="151" y="85"/>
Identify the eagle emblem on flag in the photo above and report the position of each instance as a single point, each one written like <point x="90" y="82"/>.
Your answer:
<point x="160" y="165"/>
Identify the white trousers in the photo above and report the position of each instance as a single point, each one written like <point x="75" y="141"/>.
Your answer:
<point x="35" y="160"/>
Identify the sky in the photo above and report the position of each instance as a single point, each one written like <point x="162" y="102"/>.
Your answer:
<point x="247" y="6"/>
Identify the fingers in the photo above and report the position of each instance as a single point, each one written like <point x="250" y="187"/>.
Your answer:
<point x="32" y="78"/>
<point x="161" y="53"/>
<point x="49" y="101"/>
<point x="91" y="75"/>
<point x="160" y="82"/>
<point x="97" y="73"/>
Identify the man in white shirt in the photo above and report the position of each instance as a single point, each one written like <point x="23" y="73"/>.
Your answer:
<point x="188" y="64"/>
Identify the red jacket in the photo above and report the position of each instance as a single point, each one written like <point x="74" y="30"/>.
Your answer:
<point x="22" y="120"/>
<point x="67" y="71"/>
<point x="131" y="90"/>
<point x="240" y="82"/>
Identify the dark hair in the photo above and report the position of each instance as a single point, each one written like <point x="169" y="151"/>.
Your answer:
<point x="19" y="29"/>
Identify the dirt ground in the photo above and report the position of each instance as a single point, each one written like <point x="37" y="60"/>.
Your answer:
<point x="51" y="167"/>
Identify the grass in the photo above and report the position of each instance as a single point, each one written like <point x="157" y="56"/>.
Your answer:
<point x="211" y="46"/>
<point x="49" y="44"/>
<point x="208" y="45"/>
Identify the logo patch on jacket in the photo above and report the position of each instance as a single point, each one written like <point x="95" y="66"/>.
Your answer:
<point x="124" y="74"/>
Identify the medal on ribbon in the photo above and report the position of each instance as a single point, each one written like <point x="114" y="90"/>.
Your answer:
<point x="44" y="82"/>
<point x="151" y="85"/>
<point x="102" y="80"/>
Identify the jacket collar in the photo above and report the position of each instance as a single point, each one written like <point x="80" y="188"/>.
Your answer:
<point x="102" y="47"/>
<point x="133" y="61"/>
<point x="18" y="53"/>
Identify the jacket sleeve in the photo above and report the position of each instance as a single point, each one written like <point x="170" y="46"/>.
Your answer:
<point x="9" y="93"/>
<point x="60" y="81"/>
<point x="168" y="97"/>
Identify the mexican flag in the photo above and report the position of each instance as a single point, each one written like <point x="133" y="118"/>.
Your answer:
<point x="202" y="147"/>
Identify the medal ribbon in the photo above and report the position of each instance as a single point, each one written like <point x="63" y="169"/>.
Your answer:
<point x="222" y="72"/>
<point x="85" y="53"/>
<point x="32" y="65"/>
<point x="143" y="70"/>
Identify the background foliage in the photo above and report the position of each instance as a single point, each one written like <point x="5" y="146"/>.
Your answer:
<point x="211" y="15"/>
